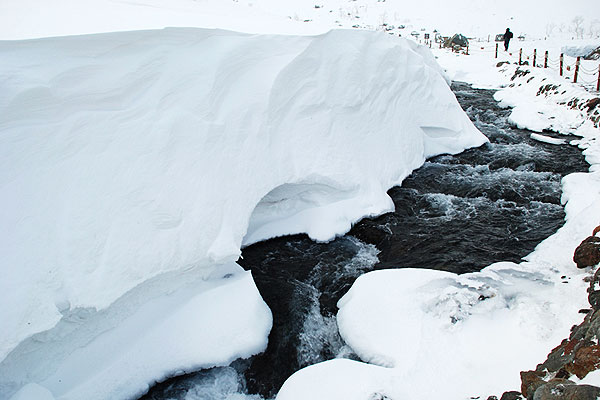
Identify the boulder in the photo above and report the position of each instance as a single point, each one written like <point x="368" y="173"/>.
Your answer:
<point x="530" y="382"/>
<point x="587" y="253"/>
<point x="587" y="359"/>
<point x="512" y="395"/>
<point x="563" y="389"/>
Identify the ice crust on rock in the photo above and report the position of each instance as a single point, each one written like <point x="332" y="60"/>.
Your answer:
<point x="134" y="163"/>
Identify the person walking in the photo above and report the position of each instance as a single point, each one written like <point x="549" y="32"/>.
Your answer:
<point x="507" y="36"/>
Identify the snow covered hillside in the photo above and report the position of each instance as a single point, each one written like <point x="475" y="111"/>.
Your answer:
<point x="475" y="18"/>
<point x="134" y="165"/>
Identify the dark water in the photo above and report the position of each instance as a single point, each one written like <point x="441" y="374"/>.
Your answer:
<point x="456" y="213"/>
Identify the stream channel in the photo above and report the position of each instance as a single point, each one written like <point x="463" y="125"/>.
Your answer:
<point x="456" y="213"/>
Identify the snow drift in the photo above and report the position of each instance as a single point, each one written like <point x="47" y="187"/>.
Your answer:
<point x="134" y="164"/>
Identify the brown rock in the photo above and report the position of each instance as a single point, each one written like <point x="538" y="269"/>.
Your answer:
<point x="530" y="381"/>
<point x="587" y="253"/>
<point x="587" y="359"/>
<point x="512" y="395"/>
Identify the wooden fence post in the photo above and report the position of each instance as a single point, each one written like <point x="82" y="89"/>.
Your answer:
<point x="534" y="56"/>
<point x="562" y="58"/>
<point x="576" y="70"/>
<point x="598" y="84"/>
<point x="496" y="50"/>
<point x="546" y="59"/>
<point x="520" y="55"/>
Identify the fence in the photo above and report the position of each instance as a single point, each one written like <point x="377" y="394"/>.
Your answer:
<point x="580" y="71"/>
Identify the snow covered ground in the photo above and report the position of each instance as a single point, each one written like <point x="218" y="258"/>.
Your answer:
<point x="134" y="165"/>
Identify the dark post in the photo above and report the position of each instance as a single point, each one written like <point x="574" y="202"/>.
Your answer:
<point x="576" y="69"/>
<point x="562" y="57"/>
<point x="546" y="59"/>
<point x="496" y="50"/>
<point x="467" y="50"/>
<point x="520" y="56"/>
<point x="534" y="56"/>
<point x="598" y="84"/>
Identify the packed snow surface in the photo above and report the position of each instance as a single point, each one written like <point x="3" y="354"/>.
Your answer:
<point x="134" y="165"/>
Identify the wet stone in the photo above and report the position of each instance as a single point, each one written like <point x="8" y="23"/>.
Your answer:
<point x="587" y="254"/>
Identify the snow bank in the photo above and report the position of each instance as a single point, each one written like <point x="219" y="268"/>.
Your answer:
<point x="580" y="51"/>
<point x="540" y="101"/>
<point x="132" y="164"/>
<point x="203" y="324"/>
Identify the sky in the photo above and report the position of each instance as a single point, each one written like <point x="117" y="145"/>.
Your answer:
<point x="22" y="19"/>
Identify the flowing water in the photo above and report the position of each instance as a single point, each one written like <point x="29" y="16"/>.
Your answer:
<point x="455" y="213"/>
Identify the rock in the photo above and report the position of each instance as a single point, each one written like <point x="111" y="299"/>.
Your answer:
<point x="512" y="395"/>
<point x="587" y="359"/>
<point x="369" y="232"/>
<point x="559" y="356"/>
<point x="593" y="55"/>
<point x="501" y="63"/>
<point x="594" y="294"/>
<point x="379" y="396"/>
<point x="530" y="381"/>
<point x="591" y="105"/>
<point x="587" y="253"/>
<point x="594" y="299"/>
<point x="562" y="389"/>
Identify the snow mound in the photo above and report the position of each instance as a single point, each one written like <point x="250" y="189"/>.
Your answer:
<point x="541" y="100"/>
<point x="580" y="51"/>
<point x="134" y="163"/>
<point x="341" y="379"/>
<point x="206" y="323"/>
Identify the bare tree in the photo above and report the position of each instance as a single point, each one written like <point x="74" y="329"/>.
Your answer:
<point x="550" y="26"/>
<point x="578" y="26"/>
<point x="594" y="29"/>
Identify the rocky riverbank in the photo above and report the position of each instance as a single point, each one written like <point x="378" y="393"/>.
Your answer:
<point x="578" y="355"/>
